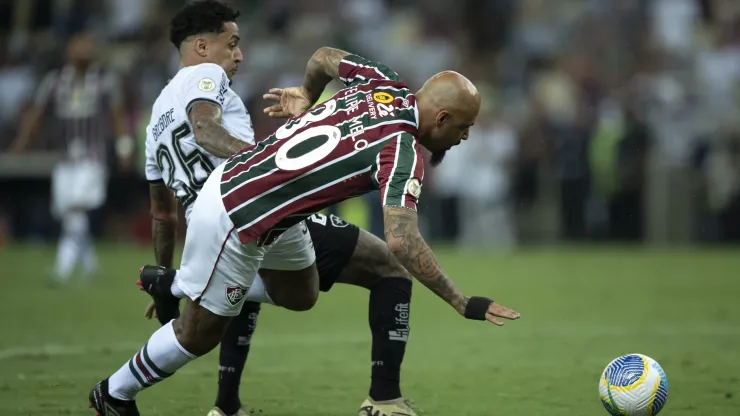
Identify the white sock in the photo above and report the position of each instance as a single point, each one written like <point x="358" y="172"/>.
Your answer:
<point x="175" y="289"/>
<point x="258" y="293"/>
<point x="66" y="256"/>
<point x="74" y="231"/>
<point x="159" y="359"/>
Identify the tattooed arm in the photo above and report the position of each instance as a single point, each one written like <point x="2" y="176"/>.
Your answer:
<point x="164" y="222"/>
<point x="205" y="117"/>
<point x="404" y="240"/>
<point x="320" y="70"/>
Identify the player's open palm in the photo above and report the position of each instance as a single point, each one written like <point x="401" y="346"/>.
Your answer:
<point x="291" y="102"/>
<point x="496" y="311"/>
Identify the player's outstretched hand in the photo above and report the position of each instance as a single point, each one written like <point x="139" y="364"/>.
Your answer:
<point x="480" y="308"/>
<point x="291" y="102"/>
<point x="496" y="311"/>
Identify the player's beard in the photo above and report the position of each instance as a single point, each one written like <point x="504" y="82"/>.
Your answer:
<point x="437" y="158"/>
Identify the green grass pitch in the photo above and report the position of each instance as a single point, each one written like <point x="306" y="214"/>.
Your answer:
<point x="580" y="309"/>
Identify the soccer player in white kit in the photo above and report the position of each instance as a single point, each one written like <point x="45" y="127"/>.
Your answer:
<point x="198" y="97"/>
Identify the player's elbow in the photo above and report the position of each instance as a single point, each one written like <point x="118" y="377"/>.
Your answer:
<point x="320" y="54"/>
<point x="396" y="246"/>
<point x="327" y="56"/>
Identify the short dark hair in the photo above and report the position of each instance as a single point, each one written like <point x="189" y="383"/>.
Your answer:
<point x="203" y="16"/>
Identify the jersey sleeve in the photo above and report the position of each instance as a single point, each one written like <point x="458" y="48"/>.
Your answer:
<point x="207" y="82"/>
<point x="354" y="69"/>
<point x="400" y="172"/>
<point x="151" y="168"/>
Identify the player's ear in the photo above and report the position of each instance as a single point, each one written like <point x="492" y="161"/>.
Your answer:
<point x="201" y="46"/>
<point x="442" y="117"/>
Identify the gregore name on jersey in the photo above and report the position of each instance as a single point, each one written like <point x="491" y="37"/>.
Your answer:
<point x="172" y="155"/>
<point x="362" y="138"/>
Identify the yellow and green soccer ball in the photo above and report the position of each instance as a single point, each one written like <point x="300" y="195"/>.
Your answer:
<point x="633" y="385"/>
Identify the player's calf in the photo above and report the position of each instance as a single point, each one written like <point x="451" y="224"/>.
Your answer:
<point x="199" y="330"/>
<point x="388" y="314"/>
<point x="375" y="268"/>
<point x="233" y="355"/>
<point x="171" y="347"/>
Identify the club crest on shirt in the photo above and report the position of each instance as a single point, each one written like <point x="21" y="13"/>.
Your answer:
<point x="338" y="222"/>
<point x="382" y="97"/>
<point x="235" y="294"/>
<point x="206" y="85"/>
<point x="413" y="187"/>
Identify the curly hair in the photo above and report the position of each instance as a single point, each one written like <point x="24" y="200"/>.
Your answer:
<point x="203" y="16"/>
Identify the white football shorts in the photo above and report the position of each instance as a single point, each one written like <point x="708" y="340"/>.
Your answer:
<point x="217" y="269"/>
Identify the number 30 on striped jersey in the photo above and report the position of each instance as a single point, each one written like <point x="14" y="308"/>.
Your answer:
<point x="334" y="135"/>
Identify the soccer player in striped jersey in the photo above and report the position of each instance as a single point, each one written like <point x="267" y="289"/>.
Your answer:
<point x="193" y="127"/>
<point x="83" y="103"/>
<point x="366" y="137"/>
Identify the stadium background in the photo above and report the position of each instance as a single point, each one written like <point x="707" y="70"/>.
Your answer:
<point x="609" y="122"/>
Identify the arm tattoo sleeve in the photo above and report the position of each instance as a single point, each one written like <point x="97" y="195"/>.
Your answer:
<point x="164" y="223"/>
<point x="321" y="69"/>
<point x="205" y="118"/>
<point x="403" y="237"/>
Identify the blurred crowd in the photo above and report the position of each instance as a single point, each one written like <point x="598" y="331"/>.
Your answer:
<point x="602" y="120"/>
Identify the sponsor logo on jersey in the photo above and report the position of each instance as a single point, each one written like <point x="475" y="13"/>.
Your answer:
<point x="235" y="294"/>
<point x="382" y="97"/>
<point x="371" y="108"/>
<point x="379" y="105"/>
<point x="413" y="187"/>
<point x="206" y="85"/>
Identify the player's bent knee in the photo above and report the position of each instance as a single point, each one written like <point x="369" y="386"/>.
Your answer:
<point x="379" y="259"/>
<point x="394" y="269"/>
<point x="390" y="268"/>
<point x="199" y="330"/>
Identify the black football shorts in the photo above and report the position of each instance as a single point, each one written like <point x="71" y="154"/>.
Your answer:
<point x="334" y="241"/>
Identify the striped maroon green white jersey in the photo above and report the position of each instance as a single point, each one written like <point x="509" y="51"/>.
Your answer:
<point x="361" y="139"/>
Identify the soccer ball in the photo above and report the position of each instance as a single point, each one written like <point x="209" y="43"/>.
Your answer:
<point x="633" y="385"/>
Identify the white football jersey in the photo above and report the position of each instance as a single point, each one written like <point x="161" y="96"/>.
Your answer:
<point x="172" y="155"/>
